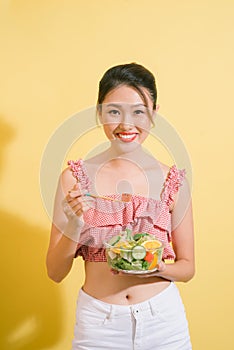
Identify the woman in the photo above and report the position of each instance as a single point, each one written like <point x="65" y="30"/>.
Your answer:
<point x="118" y="310"/>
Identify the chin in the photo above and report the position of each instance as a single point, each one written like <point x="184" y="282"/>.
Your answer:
<point x="125" y="147"/>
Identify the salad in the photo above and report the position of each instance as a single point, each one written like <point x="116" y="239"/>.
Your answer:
<point x="139" y="252"/>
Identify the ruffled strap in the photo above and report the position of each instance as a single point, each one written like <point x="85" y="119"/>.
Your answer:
<point x="79" y="173"/>
<point x="172" y="183"/>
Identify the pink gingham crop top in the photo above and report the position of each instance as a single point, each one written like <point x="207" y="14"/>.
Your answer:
<point x="106" y="219"/>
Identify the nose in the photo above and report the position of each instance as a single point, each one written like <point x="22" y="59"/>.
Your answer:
<point x="127" y="122"/>
<point x="125" y="127"/>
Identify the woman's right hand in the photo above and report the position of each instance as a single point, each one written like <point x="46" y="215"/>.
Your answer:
<point x="67" y="226"/>
<point x="74" y="205"/>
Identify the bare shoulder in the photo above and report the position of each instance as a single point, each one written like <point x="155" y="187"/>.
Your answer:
<point x="164" y="168"/>
<point x="67" y="181"/>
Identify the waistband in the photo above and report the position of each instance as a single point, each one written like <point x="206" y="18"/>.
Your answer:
<point x="149" y="304"/>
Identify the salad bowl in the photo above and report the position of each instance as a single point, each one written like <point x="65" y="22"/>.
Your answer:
<point x="137" y="253"/>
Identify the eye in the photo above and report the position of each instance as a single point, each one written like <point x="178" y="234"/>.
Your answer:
<point x="114" y="112"/>
<point x="139" y="112"/>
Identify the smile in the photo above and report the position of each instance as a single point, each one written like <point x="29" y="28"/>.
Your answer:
<point x="126" y="137"/>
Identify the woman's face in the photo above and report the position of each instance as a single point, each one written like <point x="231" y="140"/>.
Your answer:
<point x="125" y="117"/>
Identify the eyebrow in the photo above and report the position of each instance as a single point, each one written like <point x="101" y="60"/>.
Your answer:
<point x="118" y="105"/>
<point x="112" y="105"/>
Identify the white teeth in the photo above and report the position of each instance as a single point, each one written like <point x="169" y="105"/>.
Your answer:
<point x="126" y="136"/>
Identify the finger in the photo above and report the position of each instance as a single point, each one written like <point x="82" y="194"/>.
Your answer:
<point x="144" y="276"/>
<point x="71" y="200"/>
<point x="75" y="189"/>
<point x="79" y="213"/>
<point x="77" y="208"/>
<point x="76" y="186"/>
<point x="74" y="194"/>
<point x="161" y="266"/>
<point x="79" y="204"/>
<point x="67" y="208"/>
<point x="75" y="201"/>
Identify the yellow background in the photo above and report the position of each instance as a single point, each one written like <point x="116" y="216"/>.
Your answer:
<point x="53" y="54"/>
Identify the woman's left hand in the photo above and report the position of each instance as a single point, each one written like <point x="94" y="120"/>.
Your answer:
<point x="161" y="267"/>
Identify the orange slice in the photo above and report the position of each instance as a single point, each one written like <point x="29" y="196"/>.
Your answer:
<point x="154" y="262"/>
<point x="119" y="246"/>
<point x="151" y="245"/>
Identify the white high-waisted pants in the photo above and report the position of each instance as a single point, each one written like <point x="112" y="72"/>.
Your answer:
<point x="158" y="323"/>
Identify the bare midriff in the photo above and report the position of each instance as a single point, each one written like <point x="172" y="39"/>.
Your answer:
<point x="121" y="289"/>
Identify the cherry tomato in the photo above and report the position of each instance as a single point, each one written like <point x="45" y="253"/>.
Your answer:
<point x="149" y="257"/>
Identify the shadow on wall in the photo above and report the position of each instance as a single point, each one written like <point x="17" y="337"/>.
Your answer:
<point x="30" y="304"/>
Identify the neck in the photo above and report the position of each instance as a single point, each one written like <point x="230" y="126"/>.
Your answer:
<point x="117" y="153"/>
<point x="127" y="151"/>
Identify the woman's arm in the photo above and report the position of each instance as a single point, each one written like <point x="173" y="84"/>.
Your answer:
<point x="61" y="249"/>
<point x="60" y="255"/>
<point x="183" y="268"/>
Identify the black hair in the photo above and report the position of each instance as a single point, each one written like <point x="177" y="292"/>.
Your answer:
<point x="131" y="74"/>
